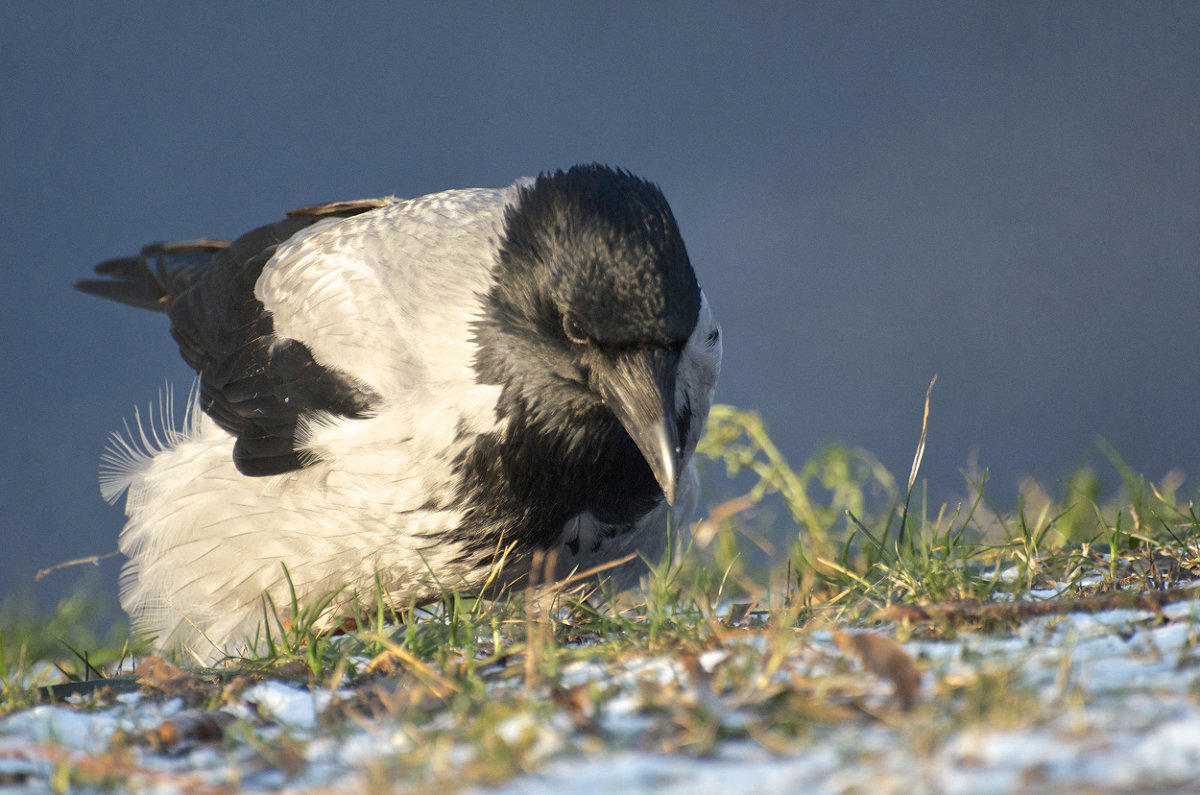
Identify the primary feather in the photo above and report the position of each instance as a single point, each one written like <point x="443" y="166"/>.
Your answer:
<point x="423" y="391"/>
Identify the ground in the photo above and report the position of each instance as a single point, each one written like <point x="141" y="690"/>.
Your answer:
<point x="1048" y="648"/>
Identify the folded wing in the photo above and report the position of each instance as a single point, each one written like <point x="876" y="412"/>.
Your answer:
<point x="256" y="385"/>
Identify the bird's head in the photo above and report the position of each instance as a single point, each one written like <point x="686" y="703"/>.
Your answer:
<point x="593" y="304"/>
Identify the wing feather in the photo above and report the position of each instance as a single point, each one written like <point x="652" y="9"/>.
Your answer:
<point x="254" y="384"/>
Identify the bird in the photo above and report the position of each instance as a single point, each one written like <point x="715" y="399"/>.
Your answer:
<point x="400" y="398"/>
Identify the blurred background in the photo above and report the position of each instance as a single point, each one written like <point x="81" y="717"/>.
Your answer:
<point x="1006" y="194"/>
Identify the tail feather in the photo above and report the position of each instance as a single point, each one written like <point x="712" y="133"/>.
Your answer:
<point x="152" y="279"/>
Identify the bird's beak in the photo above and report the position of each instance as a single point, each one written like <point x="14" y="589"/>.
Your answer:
<point x="639" y="388"/>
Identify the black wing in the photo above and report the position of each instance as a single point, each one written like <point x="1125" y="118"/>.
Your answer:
<point x="253" y="383"/>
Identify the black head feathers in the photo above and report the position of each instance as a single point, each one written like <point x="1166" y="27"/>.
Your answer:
<point x="604" y="247"/>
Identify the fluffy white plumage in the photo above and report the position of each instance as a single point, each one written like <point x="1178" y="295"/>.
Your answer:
<point x="391" y="298"/>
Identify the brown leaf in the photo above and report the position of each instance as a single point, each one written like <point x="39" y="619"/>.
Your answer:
<point x="385" y="664"/>
<point x="899" y="612"/>
<point x="578" y="702"/>
<point x="884" y="657"/>
<point x="290" y="757"/>
<point x="231" y="695"/>
<point x="156" y="674"/>
<point x="293" y="669"/>
<point x="177" y="733"/>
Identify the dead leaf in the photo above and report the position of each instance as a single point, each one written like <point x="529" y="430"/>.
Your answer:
<point x="578" y="702"/>
<point x="884" y="657"/>
<point x="293" y="669"/>
<point x="395" y="660"/>
<point x="179" y="733"/>
<point x="385" y="664"/>
<point x="900" y="612"/>
<point x="156" y="674"/>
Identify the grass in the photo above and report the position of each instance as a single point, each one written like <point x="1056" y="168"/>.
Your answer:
<point x="735" y="622"/>
<point x="63" y="646"/>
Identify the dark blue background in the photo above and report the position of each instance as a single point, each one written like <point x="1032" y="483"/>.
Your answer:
<point x="1006" y="194"/>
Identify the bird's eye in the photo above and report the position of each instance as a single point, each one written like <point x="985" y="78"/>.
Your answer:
<point x="573" y="328"/>
<point x="714" y="335"/>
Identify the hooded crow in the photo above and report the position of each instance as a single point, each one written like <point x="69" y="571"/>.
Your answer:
<point x="410" y="396"/>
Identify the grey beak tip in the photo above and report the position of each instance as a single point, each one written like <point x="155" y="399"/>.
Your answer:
<point x="639" y="388"/>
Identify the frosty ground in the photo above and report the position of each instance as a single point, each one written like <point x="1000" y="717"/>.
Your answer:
<point x="888" y="646"/>
<point x="1100" y="702"/>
